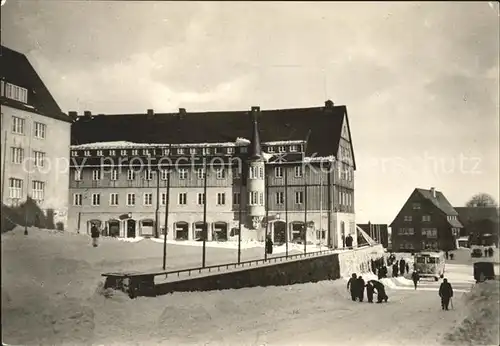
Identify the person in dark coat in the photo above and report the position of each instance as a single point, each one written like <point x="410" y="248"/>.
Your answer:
<point x="446" y="293"/>
<point x="361" y="288"/>
<point x="395" y="268"/>
<point x="407" y="268"/>
<point x="379" y="287"/>
<point x="485" y="252"/>
<point x="384" y="271"/>
<point x="415" y="278"/>
<point x="94" y="233"/>
<point x="269" y="245"/>
<point x="369" y="291"/>
<point x="490" y="252"/>
<point x="348" y="241"/>
<point x="402" y="266"/>
<point x="352" y="286"/>
<point x="373" y="266"/>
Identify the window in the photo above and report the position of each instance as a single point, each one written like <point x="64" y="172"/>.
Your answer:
<point x="221" y="198"/>
<point x="16" y="93"/>
<point x="230" y="150"/>
<point x="278" y="172"/>
<point x="15" y="188"/>
<point x="256" y="172"/>
<point x="135" y="152"/>
<point x="261" y="172"/>
<point x="416" y="205"/>
<point x="183" y="198"/>
<point x="146" y="152"/>
<point x="298" y="171"/>
<point x="163" y="199"/>
<point x="123" y="152"/>
<point x="299" y="197"/>
<point x="270" y="149"/>
<point x="38" y="190"/>
<point x="253" y="198"/>
<point x="39" y="158"/>
<point x="148" y="199"/>
<point x="164" y="174"/>
<point x="96" y="174"/>
<point x="40" y="130"/>
<point x="86" y="153"/>
<point x="130" y="174"/>
<point x="18" y="125"/>
<point x="180" y="151"/>
<point x="113" y="199"/>
<point x="17" y="155"/>
<point x="182" y="173"/>
<point x="261" y="198"/>
<point x="426" y="218"/>
<point x="406" y="231"/>
<point x="429" y="232"/>
<point x="407" y="246"/>
<point x="237" y="173"/>
<point x="408" y="218"/>
<point x="206" y="151"/>
<point x="221" y="173"/>
<point x="236" y="198"/>
<point x="243" y="150"/>
<point x="192" y="151"/>
<point x="130" y="199"/>
<point x="281" y="149"/>
<point x="293" y="148"/>
<point x="200" y="172"/>
<point x="148" y="174"/>
<point x="112" y="153"/>
<point x="96" y="199"/>
<point x="166" y="152"/>
<point x="114" y="174"/>
<point x="100" y="153"/>
<point x="74" y="153"/>
<point x="201" y="198"/>
<point x="77" y="199"/>
<point x="428" y="245"/>
<point x="280" y="197"/>
<point x="78" y="175"/>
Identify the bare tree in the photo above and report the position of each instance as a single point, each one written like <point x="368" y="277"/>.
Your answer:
<point x="481" y="200"/>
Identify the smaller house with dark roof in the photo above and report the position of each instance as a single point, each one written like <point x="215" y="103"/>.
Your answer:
<point x="427" y="221"/>
<point x="481" y="224"/>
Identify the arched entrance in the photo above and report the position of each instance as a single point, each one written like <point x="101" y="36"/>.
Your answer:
<point x="147" y="227"/>
<point x="181" y="230"/>
<point x="279" y="232"/>
<point x="298" y="231"/>
<point x="130" y="224"/>
<point x="199" y="231"/>
<point x="96" y="222"/>
<point x="114" y="228"/>
<point x="220" y="231"/>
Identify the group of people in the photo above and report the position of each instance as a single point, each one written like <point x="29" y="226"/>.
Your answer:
<point x="356" y="286"/>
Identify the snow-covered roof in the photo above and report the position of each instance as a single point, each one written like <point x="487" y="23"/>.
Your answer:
<point x="240" y="141"/>
<point x="320" y="159"/>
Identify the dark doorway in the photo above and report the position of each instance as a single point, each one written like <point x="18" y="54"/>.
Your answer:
<point x="220" y="231"/>
<point x="279" y="232"/>
<point x="181" y="231"/>
<point x="298" y="232"/>
<point x="114" y="228"/>
<point x="131" y="228"/>
<point x="199" y="231"/>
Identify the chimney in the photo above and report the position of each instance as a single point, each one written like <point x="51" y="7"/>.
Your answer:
<point x="329" y="104"/>
<point x="73" y="114"/>
<point x="182" y="112"/>
<point x="433" y="192"/>
<point x="150" y="113"/>
<point x="87" y="114"/>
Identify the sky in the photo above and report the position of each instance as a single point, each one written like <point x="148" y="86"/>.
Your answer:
<point x="420" y="80"/>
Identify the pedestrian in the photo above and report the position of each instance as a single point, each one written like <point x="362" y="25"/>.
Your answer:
<point x="490" y="252"/>
<point x="407" y="267"/>
<point x="269" y="246"/>
<point x="384" y="271"/>
<point x="352" y="286"/>
<point x="361" y="288"/>
<point x="369" y="292"/>
<point x="348" y="241"/>
<point x="381" y="295"/>
<point x="94" y="233"/>
<point x="485" y="252"/>
<point x="446" y="293"/>
<point x="415" y="277"/>
<point x="402" y="266"/>
<point x="395" y="268"/>
<point x="446" y="253"/>
<point x="373" y="266"/>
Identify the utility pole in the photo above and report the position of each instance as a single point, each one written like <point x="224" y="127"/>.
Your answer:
<point x="286" y="211"/>
<point x="240" y="216"/>
<point x="205" y="228"/>
<point x="305" y="210"/>
<point x="157" y="211"/>
<point x="167" y="202"/>
<point x="267" y="213"/>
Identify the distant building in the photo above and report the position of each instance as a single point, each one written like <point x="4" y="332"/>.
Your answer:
<point x="35" y="140"/>
<point x="378" y="232"/>
<point x="481" y="224"/>
<point x="263" y="169"/>
<point x="427" y="221"/>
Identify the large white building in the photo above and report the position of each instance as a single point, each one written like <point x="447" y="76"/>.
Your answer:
<point x="35" y="137"/>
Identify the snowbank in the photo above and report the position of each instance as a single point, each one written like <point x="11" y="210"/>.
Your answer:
<point x="480" y="318"/>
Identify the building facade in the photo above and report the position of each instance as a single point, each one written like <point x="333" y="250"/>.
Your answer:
<point x="427" y="221"/>
<point x="378" y="232"/>
<point x="35" y="140"/>
<point x="481" y="224"/>
<point x="257" y="177"/>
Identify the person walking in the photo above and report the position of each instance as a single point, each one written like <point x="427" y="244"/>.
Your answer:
<point x="446" y="293"/>
<point x="415" y="278"/>
<point x="361" y="289"/>
<point x="94" y="233"/>
<point x="369" y="292"/>
<point x="402" y="266"/>
<point x="352" y="286"/>
<point x="395" y="268"/>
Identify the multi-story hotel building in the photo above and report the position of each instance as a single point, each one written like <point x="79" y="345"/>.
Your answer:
<point x="289" y="172"/>
<point x="35" y="138"/>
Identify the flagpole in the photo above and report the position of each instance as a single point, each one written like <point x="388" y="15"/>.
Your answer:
<point x="240" y="215"/>
<point x="205" y="228"/>
<point x="267" y="214"/>
<point x="286" y="211"/>
<point x="167" y="202"/>
<point x="305" y="210"/>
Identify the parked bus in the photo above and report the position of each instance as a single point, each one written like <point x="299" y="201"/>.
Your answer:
<point x="430" y="264"/>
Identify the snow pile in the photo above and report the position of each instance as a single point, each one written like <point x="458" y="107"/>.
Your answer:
<point x="242" y="141"/>
<point x="480" y="318"/>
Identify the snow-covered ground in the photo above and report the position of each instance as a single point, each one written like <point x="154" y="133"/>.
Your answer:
<point x="51" y="295"/>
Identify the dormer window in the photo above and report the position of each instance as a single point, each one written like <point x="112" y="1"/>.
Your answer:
<point x="217" y="150"/>
<point x="135" y="152"/>
<point x="192" y="151"/>
<point x="86" y="153"/>
<point x="123" y="152"/>
<point x="270" y="149"/>
<point x="99" y="153"/>
<point x="146" y="152"/>
<point x="180" y="151"/>
<point x="112" y="153"/>
<point x="293" y="148"/>
<point x="166" y="152"/>
<point x="281" y="149"/>
<point x="243" y="150"/>
<point x="17" y="93"/>
<point x="230" y="150"/>
<point x="74" y="153"/>
<point x="206" y="151"/>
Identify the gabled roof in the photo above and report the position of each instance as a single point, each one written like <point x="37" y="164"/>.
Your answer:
<point x="324" y="124"/>
<point x="15" y="68"/>
<point x="473" y="214"/>
<point x="439" y="201"/>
